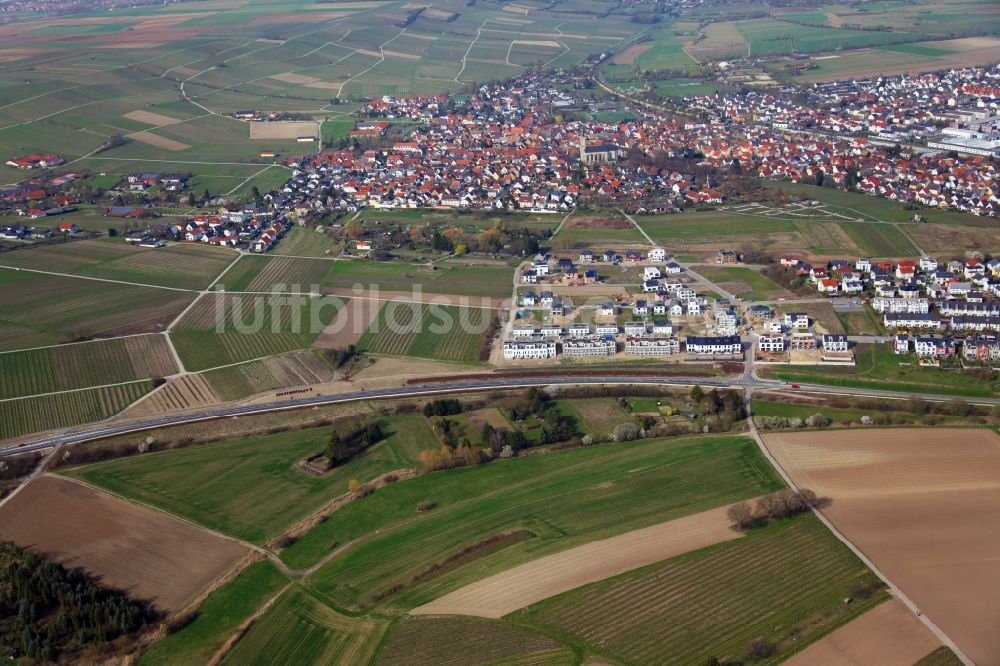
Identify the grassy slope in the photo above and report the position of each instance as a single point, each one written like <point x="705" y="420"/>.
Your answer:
<point x="249" y="487"/>
<point x="562" y="499"/>
<point x="218" y="617"/>
<point x="299" y="629"/>
<point x="785" y="582"/>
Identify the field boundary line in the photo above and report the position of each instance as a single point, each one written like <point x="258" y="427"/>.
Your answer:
<point x="238" y="634"/>
<point x="78" y="342"/>
<point x="98" y="279"/>
<point x="77" y="390"/>
<point x="936" y="630"/>
<point x="638" y="226"/>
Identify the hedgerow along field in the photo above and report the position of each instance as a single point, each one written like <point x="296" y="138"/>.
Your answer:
<point x="559" y="500"/>
<point x="250" y="327"/>
<point x="300" y="629"/>
<point x="784" y="583"/>
<point x="27" y="415"/>
<point x="439" y="332"/>
<point x="76" y="366"/>
<point x="250" y="487"/>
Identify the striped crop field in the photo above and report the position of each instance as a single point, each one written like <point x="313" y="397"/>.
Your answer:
<point x="784" y="583"/>
<point x="38" y="310"/>
<point x="274" y="273"/>
<point x="442" y="332"/>
<point x="181" y="266"/>
<point x="299" y="629"/>
<point x="239" y="381"/>
<point x="82" y="365"/>
<point x="28" y="415"/>
<point x="249" y="327"/>
<point x="461" y="641"/>
<point x="879" y="240"/>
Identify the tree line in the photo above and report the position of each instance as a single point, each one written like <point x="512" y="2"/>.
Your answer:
<point x="50" y="613"/>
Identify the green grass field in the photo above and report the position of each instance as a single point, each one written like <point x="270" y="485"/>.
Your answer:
<point x="877" y="368"/>
<point x="28" y="415"/>
<point x="784" y="583"/>
<point x="708" y="226"/>
<point x="218" y="617"/>
<point x="457" y="279"/>
<point x="561" y="500"/>
<point x="595" y="416"/>
<point x="303" y="242"/>
<point x="761" y="287"/>
<point x="250" y="488"/>
<point x="299" y="629"/>
<point x="880" y="240"/>
<point x="68" y="367"/>
<point x="439" y="332"/>
<point x="457" y="641"/>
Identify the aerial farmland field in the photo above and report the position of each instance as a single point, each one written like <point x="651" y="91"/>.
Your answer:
<point x="442" y="332"/>
<point x="301" y="629"/>
<point x="250" y="487"/>
<point x="604" y="476"/>
<point x="274" y="273"/>
<point x="21" y="416"/>
<point x="135" y="548"/>
<point x="223" y="329"/>
<point x="944" y="482"/>
<point x="68" y="367"/>
<point x="784" y="583"/>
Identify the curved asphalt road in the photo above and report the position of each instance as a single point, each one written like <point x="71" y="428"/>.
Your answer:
<point x="745" y="381"/>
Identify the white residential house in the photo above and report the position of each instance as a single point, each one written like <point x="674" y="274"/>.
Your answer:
<point x="928" y="264"/>
<point x="694" y="307"/>
<point x="522" y="331"/>
<point x="651" y="273"/>
<point x="724" y="345"/>
<point x="673" y="268"/>
<point x="901" y="343"/>
<point x="657" y="254"/>
<point x="606" y="330"/>
<point x="551" y="331"/>
<point x="796" y="320"/>
<point x="606" y="310"/>
<point x="529" y="277"/>
<point x="663" y="328"/>
<point x="771" y="343"/>
<point x="529" y="350"/>
<point x="640" y="308"/>
<point x="835" y="343"/>
<point x="578" y="330"/>
<point x="635" y="328"/>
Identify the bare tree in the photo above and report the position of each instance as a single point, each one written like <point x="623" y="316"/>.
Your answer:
<point x="769" y="506"/>
<point x="741" y="514"/>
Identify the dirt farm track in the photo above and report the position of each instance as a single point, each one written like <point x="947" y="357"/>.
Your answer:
<point x="924" y="505"/>
<point x="143" y="552"/>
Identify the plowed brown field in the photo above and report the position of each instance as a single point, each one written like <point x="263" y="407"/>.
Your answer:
<point x="887" y="635"/>
<point x="143" y="552"/>
<point x="923" y="504"/>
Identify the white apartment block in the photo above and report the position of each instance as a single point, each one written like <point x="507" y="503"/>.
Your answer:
<point x="533" y="350"/>
<point x="578" y="348"/>
<point x="652" y="346"/>
<point x="897" y="305"/>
